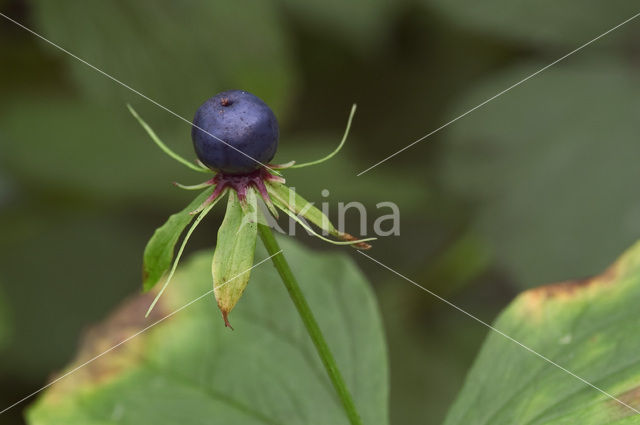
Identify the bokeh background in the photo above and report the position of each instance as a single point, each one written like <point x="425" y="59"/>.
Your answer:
<point x="539" y="185"/>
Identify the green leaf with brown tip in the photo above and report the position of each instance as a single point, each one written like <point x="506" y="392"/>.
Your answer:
<point x="297" y="207"/>
<point x="290" y="199"/>
<point x="589" y="327"/>
<point x="353" y="241"/>
<point x="158" y="253"/>
<point x="234" y="252"/>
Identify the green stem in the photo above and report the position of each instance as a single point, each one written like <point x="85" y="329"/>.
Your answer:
<point x="309" y="322"/>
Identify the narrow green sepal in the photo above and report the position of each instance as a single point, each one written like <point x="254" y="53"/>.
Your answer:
<point x="316" y="234"/>
<point x="164" y="147"/>
<point x="335" y="152"/>
<point x="235" y="248"/>
<point x="292" y="201"/>
<point x="282" y="166"/>
<point x="269" y="203"/>
<point x="158" y="253"/>
<point x="193" y="186"/>
<point x="295" y="206"/>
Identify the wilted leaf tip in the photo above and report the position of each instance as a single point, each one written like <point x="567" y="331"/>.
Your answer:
<point x="225" y="316"/>
<point x="630" y="397"/>
<point x="627" y="264"/>
<point x="127" y="320"/>
<point x="572" y="288"/>
<point x="145" y="276"/>
<point x="360" y="245"/>
<point x="535" y="299"/>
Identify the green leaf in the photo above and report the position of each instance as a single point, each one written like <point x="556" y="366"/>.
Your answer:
<point x="589" y="327"/>
<point x="550" y="168"/>
<point x="202" y="212"/>
<point x="235" y="247"/>
<point x="158" y="253"/>
<point x="536" y="21"/>
<point x="190" y="369"/>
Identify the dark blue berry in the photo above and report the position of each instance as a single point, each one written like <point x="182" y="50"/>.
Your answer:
<point x="241" y="120"/>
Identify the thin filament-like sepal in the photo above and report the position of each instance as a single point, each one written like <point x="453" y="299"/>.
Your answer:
<point x="217" y="194"/>
<point x="308" y="228"/>
<point x="281" y="166"/>
<point x="332" y="154"/>
<point x="262" y="190"/>
<point x="177" y="259"/>
<point x="164" y="147"/>
<point x="277" y="179"/>
<point x="194" y="186"/>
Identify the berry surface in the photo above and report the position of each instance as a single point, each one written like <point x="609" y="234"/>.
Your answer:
<point x="240" y="120"/>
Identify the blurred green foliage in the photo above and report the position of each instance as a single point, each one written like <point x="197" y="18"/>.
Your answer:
<point x="361" y="23"/>
<point x="536" y="186"/>
<point x="549" y="174"/>
<point x="5" y="321"/>
<point x="569" y="23"/>
<point x="191" y="369"/>
<point x="211" y="44"/>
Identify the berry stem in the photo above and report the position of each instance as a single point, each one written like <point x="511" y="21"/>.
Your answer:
<point x="310" y="322"/>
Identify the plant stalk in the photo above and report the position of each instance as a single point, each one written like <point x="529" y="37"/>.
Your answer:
<point x="310" y="322"/>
